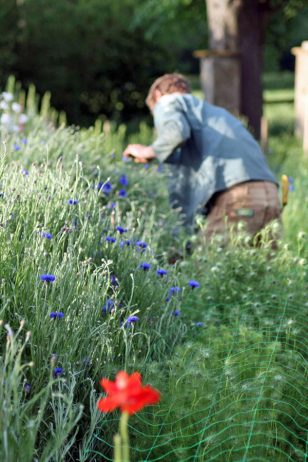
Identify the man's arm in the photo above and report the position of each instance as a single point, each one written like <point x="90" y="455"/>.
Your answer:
<point x="140" y="153"/>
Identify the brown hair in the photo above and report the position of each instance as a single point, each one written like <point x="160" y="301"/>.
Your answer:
<point x="168" y="83"/>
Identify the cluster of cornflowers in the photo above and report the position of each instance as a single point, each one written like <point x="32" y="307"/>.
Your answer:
<point x="107" y="187"/>
<point x="140" y="246"/>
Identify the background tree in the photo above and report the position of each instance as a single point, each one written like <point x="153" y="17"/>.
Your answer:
<point x="98" y="57"/>
<point x="240" y="25"/>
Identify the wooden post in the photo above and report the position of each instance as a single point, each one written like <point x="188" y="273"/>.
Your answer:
<point x="301" y="86"/>
<point x="305" y="137"/>
<point x="220" y="78"/>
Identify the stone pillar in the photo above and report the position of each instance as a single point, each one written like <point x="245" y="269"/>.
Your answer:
<point x="220" y="76"/>
<point x="301" y="88"/>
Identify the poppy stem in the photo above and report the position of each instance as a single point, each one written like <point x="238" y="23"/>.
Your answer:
<point x="124" y="436"/>
<point x="117" y="448"/>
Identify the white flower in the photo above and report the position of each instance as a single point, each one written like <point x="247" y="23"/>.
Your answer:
<point x="4" y="105"/>
<point x="5" y="119"/>
<point x="23" y="118"/>
<point x="16" y="107"/>
<point x="7" y="96"/>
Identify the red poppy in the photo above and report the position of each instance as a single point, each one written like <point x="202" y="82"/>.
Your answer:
<point x="127" y="393"/>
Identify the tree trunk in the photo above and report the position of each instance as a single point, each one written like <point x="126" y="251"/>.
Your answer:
<point x="238" y="25"/>
<point x="251" y="21"/>
<point x="222" y="21"/>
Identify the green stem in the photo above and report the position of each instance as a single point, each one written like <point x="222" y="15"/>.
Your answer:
<point x="124" y="436"/>
<point x="117" y="448"/>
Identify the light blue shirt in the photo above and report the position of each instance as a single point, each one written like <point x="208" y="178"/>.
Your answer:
<point x="207" y="149"/>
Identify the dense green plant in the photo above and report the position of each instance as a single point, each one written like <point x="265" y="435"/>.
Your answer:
<point x="227" y="355"/>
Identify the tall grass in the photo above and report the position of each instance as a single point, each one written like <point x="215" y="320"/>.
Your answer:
<point x="227" y="356"/>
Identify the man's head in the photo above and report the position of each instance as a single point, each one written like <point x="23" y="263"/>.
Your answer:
<point x="168" y="83"/>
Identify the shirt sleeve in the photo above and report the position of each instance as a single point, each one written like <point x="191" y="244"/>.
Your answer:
<point x="172" y="130"/>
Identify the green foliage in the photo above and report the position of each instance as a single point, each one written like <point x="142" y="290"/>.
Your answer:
<point x="230" y="366"/>
<point x="102" y="59"/>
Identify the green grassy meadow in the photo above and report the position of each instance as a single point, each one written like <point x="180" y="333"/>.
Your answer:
<point x="77" y="225"/>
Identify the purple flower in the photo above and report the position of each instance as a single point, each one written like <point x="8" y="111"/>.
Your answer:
<point x="174" y="290"/>
<point x="27" y="388"/>
<point x="111" y="239"/>
<point x="46" y="235"/>
<point x="24" y="172"/>
<point x="48" y="277"/>
<point x="146" y="166"/>
<point x="291" y="183"/>
<point x="24" y="141"/>
<point x="113" y="280"/>
<point x="57" y="372"/>
<point x="111" y="205"/>
<point x="17" y="147"/>
<point x="122" y="193"/>
<point x="145" y="266"/>
<point x="105" y="187"/>
<point x="161" y="272"/>
<point x="125" y="243"/>
<point x="56" y="315"/>
<point x="194" y="284"/>
<point x="123" y="180"/>
<point x="160" y="168"/>
<point x="141" y="245"/>
<point x="199" y="324"/>
<point x="176" y="313"/>
<point x="72" y="201"/>
<point x="121" y="230"/>
<point x="131" y="320"/>
<point x="108" y="306"/>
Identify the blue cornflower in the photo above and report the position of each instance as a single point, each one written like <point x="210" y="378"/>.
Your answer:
<point x="194" y="284"/>
<point x="56" y="315"/>
<point x="111" y="239"/>
<point x="106" y="188"/>
<point x="125" y="243"/>
<point x="113" y="280"/>
<point x="141" y="245"/>
<point x="57" y="372"/>
<point x="111" y="205"/>
<point x="176" y="313"/>
<point x="131" y="320"/>
<point x="48" y="277"/>
<point x="161" y="272"/>
<point x="122" y="193"/>
<point x="199" y="324"/>
<point x="123" y="180"/>
<point x="27" y="388"/>
<point x="291" y="183"/>
<point x="24" y="141"/>
<point x="121" y="230"/>
<point x="145" y="266"/>
<point x="146" y="166"/>
<point x="46" y="235"/>
<point x="72" y="201"/>
<point x="109" y="305"/>
<point x="160" y="168"/>
<point x="174" y="290"/>
<point x="25" y="172"/>
<point x="17" y="147"/>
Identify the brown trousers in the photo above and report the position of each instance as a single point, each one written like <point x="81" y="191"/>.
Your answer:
<point x="256" y="203"/>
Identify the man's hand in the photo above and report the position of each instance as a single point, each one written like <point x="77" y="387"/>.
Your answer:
<point x="139" y="152"/>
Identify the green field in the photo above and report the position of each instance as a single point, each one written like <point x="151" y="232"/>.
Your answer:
<point x="228" y="357"/>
